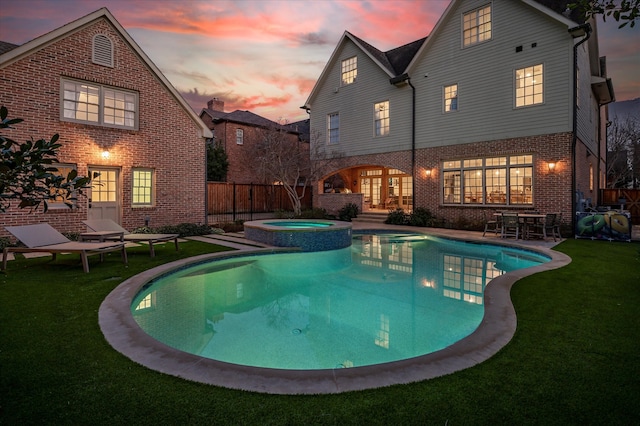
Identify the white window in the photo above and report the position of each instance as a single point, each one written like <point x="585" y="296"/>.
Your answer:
<point x="142" y="191"/>
<point x="239" y="136"/>
<point x="504" y="180"/>
<point x="102" y="53"/>
<point x="451" y="98"/>
<point x="476" y="26"/>
<point x="333" y="128"/>
<point x="381" y="118"/>
<point x="91" y="103"/>
<point x="349" y="70"/>
<point x="529" y="86"/>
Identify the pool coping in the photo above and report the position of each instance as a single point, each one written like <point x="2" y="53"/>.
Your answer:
<point x="494" y="332"/>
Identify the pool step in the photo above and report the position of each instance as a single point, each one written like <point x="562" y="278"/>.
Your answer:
<point x="371" y="217"/>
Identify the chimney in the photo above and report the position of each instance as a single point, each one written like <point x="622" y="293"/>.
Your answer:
<point x="216" y="105"/>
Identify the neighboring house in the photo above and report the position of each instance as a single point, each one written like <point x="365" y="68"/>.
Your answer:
<point x="240" y="132"/>
<point x="117" y="116"/>
<point x="479" y="115"/>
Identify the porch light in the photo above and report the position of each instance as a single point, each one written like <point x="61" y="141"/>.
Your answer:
<point x="552" y="166"/>
<point x="105" y="154"/>
<point x="427" y="172"/>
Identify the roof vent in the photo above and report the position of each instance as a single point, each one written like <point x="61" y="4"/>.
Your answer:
<point x="102" y="50"/>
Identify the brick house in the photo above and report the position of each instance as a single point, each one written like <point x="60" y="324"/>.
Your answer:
<point x="502" y="106"/>
<point x="240" y="131"/>
<point x="117" y="115"/>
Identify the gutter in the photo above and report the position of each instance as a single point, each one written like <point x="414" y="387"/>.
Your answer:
<point x="583" y="30"/>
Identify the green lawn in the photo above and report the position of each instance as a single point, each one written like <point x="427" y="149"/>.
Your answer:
<point x="575" y="357"/>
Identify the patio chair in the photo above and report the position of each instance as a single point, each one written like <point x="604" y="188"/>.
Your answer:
<point x="44" y="238"/>
<point x="490" y="223"/>
<point x="540" y="228"/>
<point x="510" y="225"/>
<point x="557" y="224"/>
<point x="100" y="225"/>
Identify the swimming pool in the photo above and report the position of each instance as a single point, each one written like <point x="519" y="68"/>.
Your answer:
<point x="387" y="298"/>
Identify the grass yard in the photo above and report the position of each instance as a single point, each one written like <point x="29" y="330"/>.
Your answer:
<point x="575" y="357"/>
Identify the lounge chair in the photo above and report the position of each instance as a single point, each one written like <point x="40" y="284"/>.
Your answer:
<point x="102" y="225"/>
<point x="44" y="238"/>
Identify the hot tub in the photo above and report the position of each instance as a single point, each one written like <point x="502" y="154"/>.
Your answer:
<point x="309" y="235"/>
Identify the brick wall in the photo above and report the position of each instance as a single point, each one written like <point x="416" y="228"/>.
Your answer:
<point x="551" y="192"/>
<point x="167" y="140"/>
<point x="243" y="167"/>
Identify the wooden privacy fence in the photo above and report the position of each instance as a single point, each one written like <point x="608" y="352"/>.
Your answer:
<point x="228" y="202"/>
<point x="631" y="198"/>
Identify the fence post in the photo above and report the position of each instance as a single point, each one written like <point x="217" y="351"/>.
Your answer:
<point x="251" y="201"/>
<point x="234" y="202"/>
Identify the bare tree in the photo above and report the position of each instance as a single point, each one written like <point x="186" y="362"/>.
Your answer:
<point x="285" y="160"/>
<point x="623" y="152"/>
<point x="624" y="11"/>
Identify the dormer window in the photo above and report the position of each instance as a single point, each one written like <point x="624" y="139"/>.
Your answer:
<point x="476" y="26"/>
<point x="349" y="70"/>
<point x="102" y="50"/>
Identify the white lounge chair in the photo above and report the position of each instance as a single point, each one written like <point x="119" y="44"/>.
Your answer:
<point x="108" y="225"/>
<point x="42" y="237"/>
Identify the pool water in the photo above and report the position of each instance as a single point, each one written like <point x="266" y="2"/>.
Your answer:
<point x="385" y="298"/>
<point x="300" y="224"/>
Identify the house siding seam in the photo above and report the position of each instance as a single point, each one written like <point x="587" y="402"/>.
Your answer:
<point x="167" y="141"/>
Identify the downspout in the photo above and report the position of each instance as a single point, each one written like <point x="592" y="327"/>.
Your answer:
<point x="399" y="81"/>
<point x="579" y="31"/>
<point x="413" y="145"/>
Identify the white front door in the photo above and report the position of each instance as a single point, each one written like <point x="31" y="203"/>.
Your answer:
<point x="104" y="198"/>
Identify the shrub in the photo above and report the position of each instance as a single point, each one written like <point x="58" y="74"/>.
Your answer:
<point x="185" y="229"/>
<point x="315" y="213"/>
<point x="4" y="242"/>
<point x="348" y="212"/>
<point x="421" y="217"/>
<point x="396" y="217"/>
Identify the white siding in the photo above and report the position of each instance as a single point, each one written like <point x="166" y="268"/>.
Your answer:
<point x="354" y="103"/>
<point x="587" y="112"/>
<point x="485" y="77"/>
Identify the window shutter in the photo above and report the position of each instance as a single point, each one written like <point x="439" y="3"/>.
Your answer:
<point x="102" y="50"/>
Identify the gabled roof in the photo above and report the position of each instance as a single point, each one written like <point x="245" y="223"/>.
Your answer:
<point x="392" y="62"/>
<point x="560" y="5"/>
<point x="398" y="61"/>
<point x="240" y="117"/>
<point x="244" y="117"/>
<point x="5" y="47"/>
<point x="19" y="52"/>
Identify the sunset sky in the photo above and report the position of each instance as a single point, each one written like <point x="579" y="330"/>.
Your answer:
<point x="265" y="55"/>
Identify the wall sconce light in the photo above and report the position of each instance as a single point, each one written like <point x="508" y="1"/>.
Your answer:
<point x="427" y="172"/>
<point x="105" y="154"/>
<point x="552" y="166"/>
<point x="355" y="182"/>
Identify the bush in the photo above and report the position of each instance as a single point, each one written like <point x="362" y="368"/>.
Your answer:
<point x="315" y="213"/>
<point x="348" y="212"/>
<point x="396" y="217"/>
<point x="185" y="229"/>
<point x="4" y="242"/>
<point x="421" y="217"/>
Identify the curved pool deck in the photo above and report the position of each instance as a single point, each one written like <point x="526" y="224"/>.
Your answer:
<point x="494" y="332"/>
